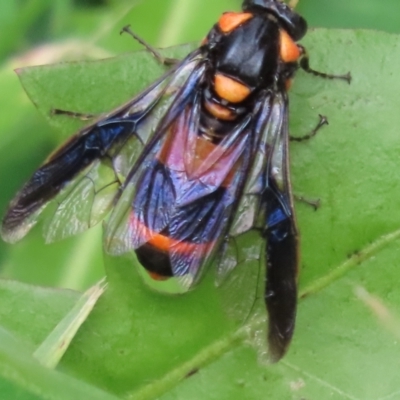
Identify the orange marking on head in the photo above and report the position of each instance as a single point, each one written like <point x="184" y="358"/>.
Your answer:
<point x="289" y="50"/>
<point x="229" y="89"/>
<point x="231" y="20"/>
<point x="204" y="41"/>
<point x="219" y="111"/>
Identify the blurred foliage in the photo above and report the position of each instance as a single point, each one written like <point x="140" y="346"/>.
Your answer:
<point x="44" y="31"/>
<point x="140" y="344"/>
<point x="368" y="14"/>
<point x="41" y="32"/>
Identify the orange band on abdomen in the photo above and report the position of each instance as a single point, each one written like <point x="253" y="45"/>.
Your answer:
<point x="230" y="89"/>
<point x="165" y="243"/>
<point x="219" y="111"/>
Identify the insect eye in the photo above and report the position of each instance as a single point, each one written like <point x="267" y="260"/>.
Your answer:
<point x="298" y="27"/>
<point x="294" y="24"/>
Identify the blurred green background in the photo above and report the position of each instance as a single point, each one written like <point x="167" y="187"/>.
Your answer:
<point x="46" y="31"/>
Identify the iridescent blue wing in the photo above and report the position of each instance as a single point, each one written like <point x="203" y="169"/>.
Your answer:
<point x="82" y="179"/>
<point x="181" y="196"/>
<point x="267" y="205"/>
<point x="177" y="207"/>
<point x="282" y="251"/>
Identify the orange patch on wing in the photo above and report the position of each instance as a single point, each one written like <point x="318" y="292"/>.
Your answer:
<point x="231" y="20"/>
<point x="203" y="149"/>
<point x="172" y="155"/>
<point x="230" y="89"/>
<point x="289" y="50"/>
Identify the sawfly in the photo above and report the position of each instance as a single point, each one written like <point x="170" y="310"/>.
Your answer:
<point x="198" y="157"/>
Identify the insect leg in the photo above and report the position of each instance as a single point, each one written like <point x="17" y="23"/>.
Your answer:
<point x="73" y="114"/>
<point x="310" y="202"/>
<point x="305" y="65"/>
<point x="157" y="55"/>
<point x="322" y="121"/>
<point x="282" y="255"/>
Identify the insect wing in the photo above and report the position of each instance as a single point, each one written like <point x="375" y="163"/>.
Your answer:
<point x="282" y="250"/>
<point x="181" y="197"/>
<point x="84" y="175"/>
<point x="119" y="235"/>
<point x="267" y="206"/>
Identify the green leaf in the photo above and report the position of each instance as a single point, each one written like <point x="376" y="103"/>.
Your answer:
<point x="53" y="348"/>
<point x="31" y="312"/>
<point x="12" y="391"/>
<point x="17" y="366"/>
<point x="91" y="87"/>
<point x="143" y="344"/>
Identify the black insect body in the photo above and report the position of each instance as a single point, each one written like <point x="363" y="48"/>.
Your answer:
<point x="177" y="167"/>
